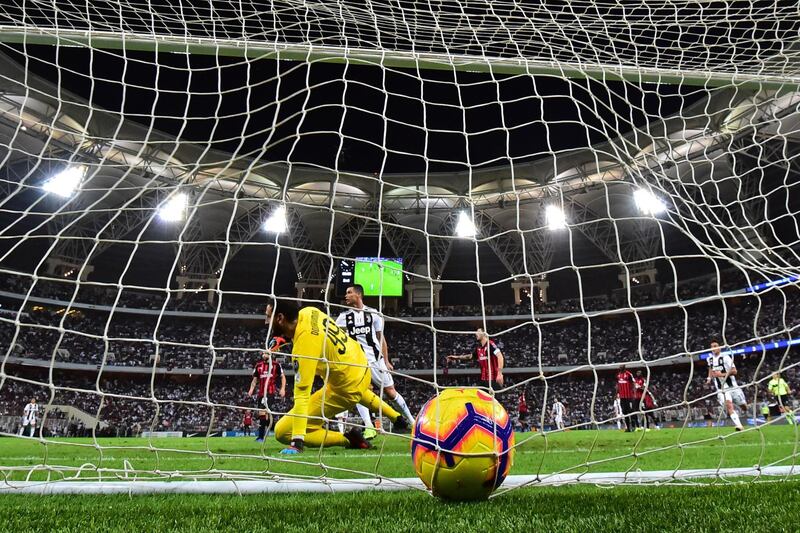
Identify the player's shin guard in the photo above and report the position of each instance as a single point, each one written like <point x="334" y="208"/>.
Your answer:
<point x="262" y="426"/>
<point x="403" y="408"/>
<point x="363" y="412"/>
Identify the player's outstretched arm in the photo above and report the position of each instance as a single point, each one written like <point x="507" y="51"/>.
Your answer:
<point x="385" y="351"/>
<point x="501" y="363"/>
<point x="282" y="391"/>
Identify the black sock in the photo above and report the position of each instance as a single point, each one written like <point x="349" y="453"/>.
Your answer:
<point x="262" y="426"/>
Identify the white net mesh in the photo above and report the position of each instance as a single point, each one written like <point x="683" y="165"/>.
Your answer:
<point x="593" y="185"/>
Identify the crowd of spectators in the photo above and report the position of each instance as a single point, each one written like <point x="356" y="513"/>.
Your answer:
<point x="212" y="402"/>
<point x="197" y="300"/>
<point x="208" y="403"/>
<point x="123" y="339"/>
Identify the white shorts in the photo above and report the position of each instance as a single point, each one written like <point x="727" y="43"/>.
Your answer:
<point x="28" y="421"/>
<point x="731" y="395"/>
<point x="381" y="377"/>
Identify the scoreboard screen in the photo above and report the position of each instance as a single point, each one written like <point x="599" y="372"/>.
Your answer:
<point x="380" y="276"/>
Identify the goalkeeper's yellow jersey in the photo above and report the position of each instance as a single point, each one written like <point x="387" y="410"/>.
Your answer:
<point x="321" y="348"/>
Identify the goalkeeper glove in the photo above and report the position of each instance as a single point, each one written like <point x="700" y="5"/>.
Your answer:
<point x="275" y="344"/>
<point x="295" y="447"/>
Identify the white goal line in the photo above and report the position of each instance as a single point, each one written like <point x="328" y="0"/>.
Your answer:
<point x="385" y="484"/>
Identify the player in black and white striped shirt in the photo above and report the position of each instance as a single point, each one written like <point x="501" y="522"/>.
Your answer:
<point x="29" y="417"/>
<point x="365" y="325"/>
<point x="722" y="373"/>
<point x="558" y="413"/>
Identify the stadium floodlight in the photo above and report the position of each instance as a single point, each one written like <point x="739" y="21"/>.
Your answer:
<point x="66" y="182"/>
<point x="555" y="217"/>
<point x="175" y="209"/>
<point x="276" y="223"/>
<point x="465" y="227"/>
<point x="648" y="203"/>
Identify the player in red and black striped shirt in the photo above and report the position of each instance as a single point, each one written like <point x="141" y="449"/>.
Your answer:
<point x="522" y="408"/>
<point x="266" y="374"/>
<point x="490" y="358"/>
<point x="247" y="422"/>
<point x="626" y="389"/>
<point x="650" y="405"/>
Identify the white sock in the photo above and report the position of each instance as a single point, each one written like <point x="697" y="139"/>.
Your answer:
<point x="735" y="419"/>
<point x="363" y="412"/>
<point x="341" y="426"/>
<point x="401" y="404"/>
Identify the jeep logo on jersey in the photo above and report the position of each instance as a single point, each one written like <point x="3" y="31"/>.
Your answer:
<point x="360" y="330"/>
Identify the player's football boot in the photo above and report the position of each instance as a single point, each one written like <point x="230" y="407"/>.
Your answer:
<point x="357" y="440"/>
<point x="400" y="425"/>
<point x="370" y="433"/>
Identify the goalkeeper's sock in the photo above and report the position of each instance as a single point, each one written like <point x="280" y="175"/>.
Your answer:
<point x="262" y="426"/>
<point x="376" y="405"/>
<point x="363" y="412"/>
<point x="735" y="419"/>
<point x="403" y="407"/>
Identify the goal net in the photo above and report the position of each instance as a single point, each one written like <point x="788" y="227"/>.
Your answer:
<point x="594" y="186"/>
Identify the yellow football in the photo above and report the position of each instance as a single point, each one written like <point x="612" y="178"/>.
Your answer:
<point x="463" y="444"/>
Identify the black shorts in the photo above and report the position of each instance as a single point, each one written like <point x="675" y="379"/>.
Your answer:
<point x="784" y="400"/>
<point x="272" y="401"/>
<point x="258" y="403"/>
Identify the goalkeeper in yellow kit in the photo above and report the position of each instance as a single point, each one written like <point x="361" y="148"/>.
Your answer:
<point x="321" y="348"/>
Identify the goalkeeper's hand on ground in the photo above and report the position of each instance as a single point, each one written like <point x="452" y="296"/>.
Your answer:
<point x="295" y="447"/>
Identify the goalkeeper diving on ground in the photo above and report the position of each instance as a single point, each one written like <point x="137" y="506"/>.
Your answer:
<point x="321" y="348"/>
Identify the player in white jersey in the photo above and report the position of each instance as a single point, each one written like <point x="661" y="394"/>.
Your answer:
<point x="365" y="325"/>
<point x="29" y="417"/>
<point x="558" y="413"/>
<point x="618" y="413"/>
<point x="722" y="372"/>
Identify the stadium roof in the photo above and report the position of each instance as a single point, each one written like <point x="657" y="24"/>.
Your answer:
<point x="697" y="161"/>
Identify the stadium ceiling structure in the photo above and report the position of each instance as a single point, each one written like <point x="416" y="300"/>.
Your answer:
<point x="133" y="170"/>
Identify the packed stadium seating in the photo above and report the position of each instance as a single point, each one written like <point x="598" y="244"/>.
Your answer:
<point x="105" y="341"/>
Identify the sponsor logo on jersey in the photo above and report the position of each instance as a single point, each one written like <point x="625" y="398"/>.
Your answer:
<point x="360" y="330"/>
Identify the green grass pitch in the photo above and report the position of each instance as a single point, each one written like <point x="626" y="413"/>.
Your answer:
<point x="736" y="506"/>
